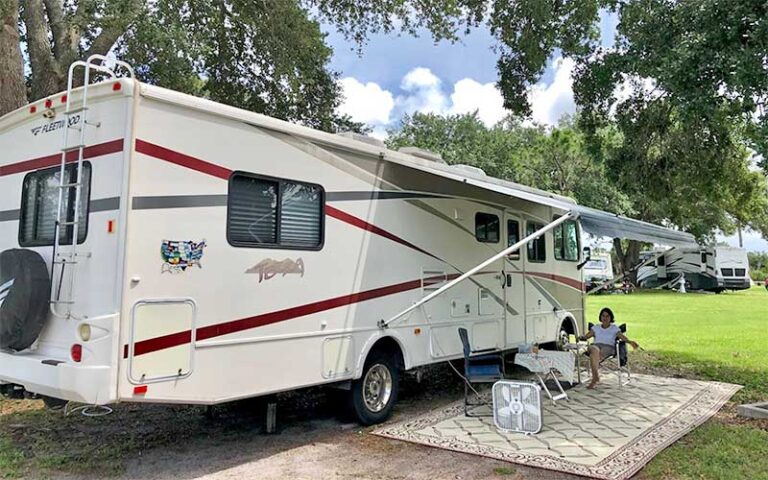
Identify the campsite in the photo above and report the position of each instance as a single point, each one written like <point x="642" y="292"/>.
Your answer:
<point x="407" y="239"/>
<point x="314" y="443"/>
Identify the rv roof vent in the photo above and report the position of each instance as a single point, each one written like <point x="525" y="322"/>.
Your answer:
<point x="470" y="169"/>
<point x="421" y="153"/>
<point x="362" y="138"/>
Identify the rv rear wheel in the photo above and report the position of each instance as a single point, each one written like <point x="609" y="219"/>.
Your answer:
<point x="374" y="394"/>
<point x="24" y="290"/>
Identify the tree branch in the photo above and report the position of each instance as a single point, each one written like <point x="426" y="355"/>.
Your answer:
<point x="45" y="71"/>
<point x="55" y="11"/>
<point x="12" y="90"/>
<point x="113" y="27"/>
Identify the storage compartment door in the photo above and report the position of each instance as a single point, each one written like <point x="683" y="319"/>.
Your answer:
<point x="162" y="339"/>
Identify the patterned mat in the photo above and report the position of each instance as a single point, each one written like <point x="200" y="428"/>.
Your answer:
<point x="606" y="433"/>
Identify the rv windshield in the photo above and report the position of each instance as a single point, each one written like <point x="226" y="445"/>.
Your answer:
<point x="596" y="264"/>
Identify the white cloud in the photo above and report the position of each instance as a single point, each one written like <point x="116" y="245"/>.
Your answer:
<point x="423" y="92"/>
<point x="419" y="78"/>
<point x="367" y="103"/>
<point x="469" y="95"/>
<point x="550" y="102"/>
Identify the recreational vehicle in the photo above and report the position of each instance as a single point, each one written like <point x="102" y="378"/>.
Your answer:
<point x="598" y="270"/>
<point x="713" y="269"/>
<point x="158" y="247"/>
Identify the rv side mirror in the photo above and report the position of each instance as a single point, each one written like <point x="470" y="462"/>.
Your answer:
<point x="586" y="256"/>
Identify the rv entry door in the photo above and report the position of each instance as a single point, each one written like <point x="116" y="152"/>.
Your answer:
<point x="514" y="293"/>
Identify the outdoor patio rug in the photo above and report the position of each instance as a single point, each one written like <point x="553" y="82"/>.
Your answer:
<point x="607" y="433"/>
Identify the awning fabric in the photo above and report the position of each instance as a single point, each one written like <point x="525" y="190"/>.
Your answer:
<point x="596" y="222"/>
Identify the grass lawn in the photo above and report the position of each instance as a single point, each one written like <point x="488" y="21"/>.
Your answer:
<point x="712" y="337"/>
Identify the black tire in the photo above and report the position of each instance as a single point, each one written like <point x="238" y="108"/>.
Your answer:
<point x="24" y="291"/>
<point x="377" y="364"/>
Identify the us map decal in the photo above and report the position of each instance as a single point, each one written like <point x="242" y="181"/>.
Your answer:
<point x="180" y="255"/>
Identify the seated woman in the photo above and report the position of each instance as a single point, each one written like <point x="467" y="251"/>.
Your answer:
<point x="605" y="336"/>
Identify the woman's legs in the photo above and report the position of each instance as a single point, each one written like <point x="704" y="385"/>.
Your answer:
<point x="594" y="363"/>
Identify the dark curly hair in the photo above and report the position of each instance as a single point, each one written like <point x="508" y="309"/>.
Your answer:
<point x="608" y="311"/>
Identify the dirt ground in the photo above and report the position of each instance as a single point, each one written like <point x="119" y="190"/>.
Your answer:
<point x="315" y="442"/>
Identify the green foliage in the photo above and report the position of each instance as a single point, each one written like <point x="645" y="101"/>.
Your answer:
<point x="11" y="459"/>
<point x="555" y="160"/>
<point x="464" y="139"/>
<point x="758" y="265"/>
<point x="705" y="56"/>
<point x="267" y="57"/>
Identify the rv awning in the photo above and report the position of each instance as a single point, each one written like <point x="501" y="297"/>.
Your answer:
<point x="596" y="222"/>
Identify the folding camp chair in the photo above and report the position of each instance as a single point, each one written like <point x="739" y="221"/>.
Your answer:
<point x="480" y="366"/>
<point x="617" y="363"/>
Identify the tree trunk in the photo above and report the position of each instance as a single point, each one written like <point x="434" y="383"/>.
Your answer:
<point x="741" y="239"/>
<point x="46" y="72"/>
<point x="628" y="258"/>
<point x="13" y="92"/>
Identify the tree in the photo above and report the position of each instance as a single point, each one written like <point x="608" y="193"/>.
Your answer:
<point x="555" y="160"/>
<point x="268" y="57"/>
<point x="558" y="161"/>
<point x="464" y="139"/>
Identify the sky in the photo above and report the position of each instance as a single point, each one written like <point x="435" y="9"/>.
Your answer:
<point x="398" y="75"/>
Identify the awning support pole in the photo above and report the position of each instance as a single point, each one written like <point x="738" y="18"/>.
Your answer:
<point x="568" y="216"/>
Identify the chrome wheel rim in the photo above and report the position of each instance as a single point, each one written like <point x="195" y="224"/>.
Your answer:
<point x="377" y="388"/>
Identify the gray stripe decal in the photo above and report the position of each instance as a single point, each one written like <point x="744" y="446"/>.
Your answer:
<point x="543" y="291"/>
<point x="8" y="215"/>
<point x="99" y="205"/>
<point x="376" y="195"/>
<point x="104" y="204"/>
<point x="178" y="201"/>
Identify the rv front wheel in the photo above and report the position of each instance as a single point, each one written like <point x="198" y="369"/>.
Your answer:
<point x="374" y="394"/>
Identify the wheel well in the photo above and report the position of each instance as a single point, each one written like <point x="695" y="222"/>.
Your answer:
<point x="389" y="346"/>
<point x="569" y="325"/>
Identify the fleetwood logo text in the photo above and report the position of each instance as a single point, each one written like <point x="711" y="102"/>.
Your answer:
<point x="58" y="125"/>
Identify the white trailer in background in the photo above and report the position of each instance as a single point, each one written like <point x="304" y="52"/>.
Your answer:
<point x="207" y="254"/>
<point x="598" y="270"/>
<point x="713" y="269"/>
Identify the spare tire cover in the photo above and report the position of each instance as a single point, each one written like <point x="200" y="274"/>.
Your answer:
<point x="24" y="293"/>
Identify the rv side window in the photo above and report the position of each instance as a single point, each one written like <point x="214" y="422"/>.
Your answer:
<point x="267" y="212"/>
<point x="703" y="258"/>
<point x="487" y="227"/>
<point x="513" y="236"/>
<point x="536" y="247"/>
<point x="566" y="236"/>
<point x="660" y="262"/>
<point x="39" y="204"/>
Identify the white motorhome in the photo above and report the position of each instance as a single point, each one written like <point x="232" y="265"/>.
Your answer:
<point x="713" y="269"/>
<point x="598" y="270"/>
<point x="206" y="254"/>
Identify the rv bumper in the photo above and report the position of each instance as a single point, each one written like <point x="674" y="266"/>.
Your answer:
<point x="67" y="381"/>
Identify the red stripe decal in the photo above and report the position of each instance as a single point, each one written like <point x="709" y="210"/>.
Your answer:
<point x="211" y="331"/>
<point x="214" y="170"/>
<point x="357" y="222"/>
<point x="183" y="160"/>
<point x="559" y="279"/>
<point x="93" y="151"/>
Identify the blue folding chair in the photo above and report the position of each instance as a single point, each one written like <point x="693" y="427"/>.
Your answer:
<point x="480" y="366"/>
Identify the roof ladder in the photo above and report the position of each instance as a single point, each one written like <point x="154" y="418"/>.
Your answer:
<point x="70" y="187"/>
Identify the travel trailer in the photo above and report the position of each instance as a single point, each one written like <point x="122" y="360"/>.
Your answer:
<point x="598" y="270"/>
<point x="713" y="269"/>
<point x="158" y="247"/>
